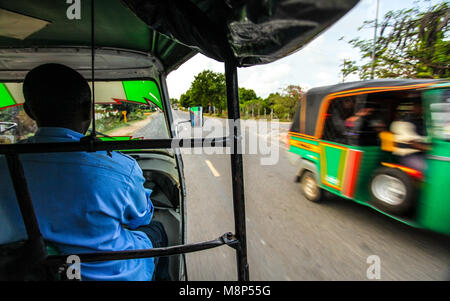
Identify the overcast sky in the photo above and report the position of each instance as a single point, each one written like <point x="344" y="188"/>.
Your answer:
<point x="317" y="64"/>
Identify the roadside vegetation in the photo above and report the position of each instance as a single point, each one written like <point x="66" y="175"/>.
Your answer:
<point x="410" y="43"/>
<point x="208" y="90"/>
<point x="112" y="117"/>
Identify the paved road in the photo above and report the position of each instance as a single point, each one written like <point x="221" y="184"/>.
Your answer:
<point x="290" y="238"/>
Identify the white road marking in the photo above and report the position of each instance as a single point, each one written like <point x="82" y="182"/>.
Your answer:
<point x="211" y="167"/>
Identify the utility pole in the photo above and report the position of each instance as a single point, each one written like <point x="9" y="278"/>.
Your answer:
<point x="375" y="41"/>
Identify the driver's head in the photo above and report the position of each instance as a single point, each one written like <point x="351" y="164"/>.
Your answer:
<point x="57" y="96"/>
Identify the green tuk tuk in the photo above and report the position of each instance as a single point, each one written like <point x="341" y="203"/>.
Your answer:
<point x="362" y="160"/>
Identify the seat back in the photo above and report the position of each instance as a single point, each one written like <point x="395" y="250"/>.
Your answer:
<point x="387" y="141"/>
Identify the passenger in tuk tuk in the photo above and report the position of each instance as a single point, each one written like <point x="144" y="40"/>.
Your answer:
<point x="410" y="138"/>
<point x="350" y="124"/>
<point x="358" y="126"/>
<point x="85" y="202"/>
<point x="340" y="117"/>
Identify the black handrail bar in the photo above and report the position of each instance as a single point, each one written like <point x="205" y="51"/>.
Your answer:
<point x="89" y="145"/>
<point x="226" y="239"/>
<point x="35" y="241"/>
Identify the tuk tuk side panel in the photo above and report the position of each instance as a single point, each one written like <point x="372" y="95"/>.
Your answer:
<point x="372" y="158"/>
<point x="434" y="204"/>
<point x="340" y="169"/>
<point x="347" y="170"/>
<point x="305" y="148"/>
<point x="349" y="167"/>
<point x="333" y="160"/>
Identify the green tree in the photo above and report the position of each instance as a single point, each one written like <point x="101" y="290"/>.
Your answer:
<point x="185" y="99"/>
<point x="284" y="104"/>
<point x="208" y="89"/>
<point x="348" y="67"/>
<point x="246" y="95"/>
<point x="411" y="43"/>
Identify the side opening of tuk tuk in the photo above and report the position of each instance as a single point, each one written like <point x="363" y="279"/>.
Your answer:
<point x="219" y="30"/>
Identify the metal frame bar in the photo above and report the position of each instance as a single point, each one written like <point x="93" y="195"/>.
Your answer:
<point x="16" y="75"/>
<point x="91" y="145"/>
<point x="179" y="162"/>
<point x="226" y="239"/>
<point x="237" y="174"/>
<point x="23" y="196"/>
<point x="35" y="243"/>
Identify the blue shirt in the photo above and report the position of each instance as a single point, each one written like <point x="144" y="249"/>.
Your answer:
<point x="84" y="202"/>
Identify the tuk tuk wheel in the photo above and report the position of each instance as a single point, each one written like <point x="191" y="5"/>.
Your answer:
<point x="310" y="190"/>
<point x="392" y="191"/>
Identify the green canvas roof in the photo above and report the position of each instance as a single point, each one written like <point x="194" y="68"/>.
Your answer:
<point x="115" y="27"/>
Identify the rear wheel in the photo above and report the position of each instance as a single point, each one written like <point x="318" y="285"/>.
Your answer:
<point x="310" y="189"/>
<point x="393" y="191"/>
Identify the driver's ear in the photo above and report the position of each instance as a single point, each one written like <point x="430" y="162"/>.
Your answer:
<point x="28" y="111"/>
<point x="87" y="112"/>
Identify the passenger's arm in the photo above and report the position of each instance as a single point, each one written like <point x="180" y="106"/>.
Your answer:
<point x="420" y="146"/>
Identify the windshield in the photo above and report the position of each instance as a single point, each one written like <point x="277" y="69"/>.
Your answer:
<point x="124" y="110"/>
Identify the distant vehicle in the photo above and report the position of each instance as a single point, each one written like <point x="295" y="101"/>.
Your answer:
<point x="355" y="155"/>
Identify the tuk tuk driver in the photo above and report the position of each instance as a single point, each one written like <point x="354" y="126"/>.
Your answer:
<point x="84" y="202"/>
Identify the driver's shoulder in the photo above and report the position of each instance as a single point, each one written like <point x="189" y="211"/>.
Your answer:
<point x="125" y="157"/>
<point x="123" y="160"/>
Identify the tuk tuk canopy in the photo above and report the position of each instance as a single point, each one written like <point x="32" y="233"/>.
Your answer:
<point x="172" y="31"/>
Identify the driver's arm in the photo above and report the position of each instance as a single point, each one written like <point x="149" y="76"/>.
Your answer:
<point x="138" y="208"/>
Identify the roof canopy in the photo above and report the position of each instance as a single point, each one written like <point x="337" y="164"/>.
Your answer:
<point x="317" y="99"/>
<point x="247" y="32"/>
<point x="367" y="86"/>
